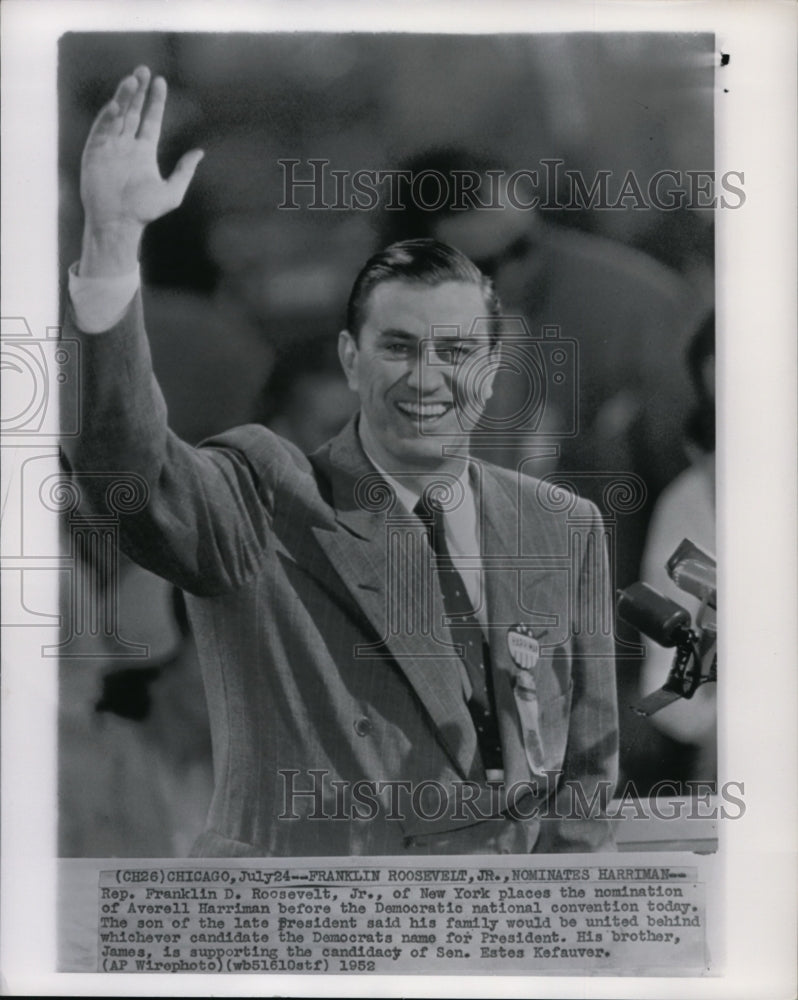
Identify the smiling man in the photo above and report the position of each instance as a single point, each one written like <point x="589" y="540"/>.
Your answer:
<point x="421" y="316"/>
<point x="404" y="650"/>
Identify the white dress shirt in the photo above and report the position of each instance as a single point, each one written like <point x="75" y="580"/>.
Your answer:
<point x="461" y="527"/>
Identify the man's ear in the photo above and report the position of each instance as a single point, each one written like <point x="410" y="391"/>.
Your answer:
<point x="492" y="364"/>
<point x="348" y="354"/>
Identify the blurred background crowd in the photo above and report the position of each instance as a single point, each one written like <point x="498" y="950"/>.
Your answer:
<point x="244" y="300"/>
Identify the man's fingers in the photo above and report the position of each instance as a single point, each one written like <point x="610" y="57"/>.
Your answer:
<point x="110" y="120"/>
<point x="181" y="176"/>
<point x="107" y="122"/>
<point x="133" y="113"/>
<point x="125" y="91"/>
<point x="152" y="117"/>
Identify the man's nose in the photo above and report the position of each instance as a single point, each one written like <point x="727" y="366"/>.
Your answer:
<point x="426" y="372"/>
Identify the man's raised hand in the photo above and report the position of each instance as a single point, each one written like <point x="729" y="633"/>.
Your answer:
<point x="120" y="184"/>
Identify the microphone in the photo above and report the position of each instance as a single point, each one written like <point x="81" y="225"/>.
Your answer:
<point x="669" y="625"/>
<point x="656" y="616"/>
<point x="693" y="571"/>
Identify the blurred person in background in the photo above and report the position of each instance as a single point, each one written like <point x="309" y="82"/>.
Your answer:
<point x="305" y="398"/>
<point x="134" y="760"/>
<point x="686" y="509"/>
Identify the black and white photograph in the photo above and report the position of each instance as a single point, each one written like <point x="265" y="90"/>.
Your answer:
<point x="361" y="508"/>
<point x="316" y="668"/>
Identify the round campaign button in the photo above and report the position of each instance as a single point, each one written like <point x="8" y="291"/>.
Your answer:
<point x="363" y="726"/>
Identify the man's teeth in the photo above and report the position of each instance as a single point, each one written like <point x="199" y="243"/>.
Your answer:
<point x="423" y="409"/>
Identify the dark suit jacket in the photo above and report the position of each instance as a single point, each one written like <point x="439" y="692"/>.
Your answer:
<point x="321" y="635"/>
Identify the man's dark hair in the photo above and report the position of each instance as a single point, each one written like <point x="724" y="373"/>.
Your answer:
<point x="423" y="262"/>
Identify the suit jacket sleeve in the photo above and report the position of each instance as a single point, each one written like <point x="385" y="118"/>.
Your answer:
<point x="205" y="524"/>
<point x="575" y="819"/>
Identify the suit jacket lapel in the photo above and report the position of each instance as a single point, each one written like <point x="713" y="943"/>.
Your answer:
<point x="380" y="553"/>
<point x="505" y="586"/>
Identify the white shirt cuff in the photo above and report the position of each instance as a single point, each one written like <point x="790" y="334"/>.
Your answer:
<point x="99" y="303"/>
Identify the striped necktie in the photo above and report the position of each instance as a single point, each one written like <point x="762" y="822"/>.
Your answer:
<point x="466" y="632"/>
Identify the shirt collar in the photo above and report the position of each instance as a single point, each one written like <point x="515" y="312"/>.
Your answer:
<point x="407" y="497"/>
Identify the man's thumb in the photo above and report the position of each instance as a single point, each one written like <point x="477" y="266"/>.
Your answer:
<point x="181" y="176"/>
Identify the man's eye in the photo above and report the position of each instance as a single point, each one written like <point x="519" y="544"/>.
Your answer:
<point x="455" y="353"/>
<point x="398" y="350"/>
